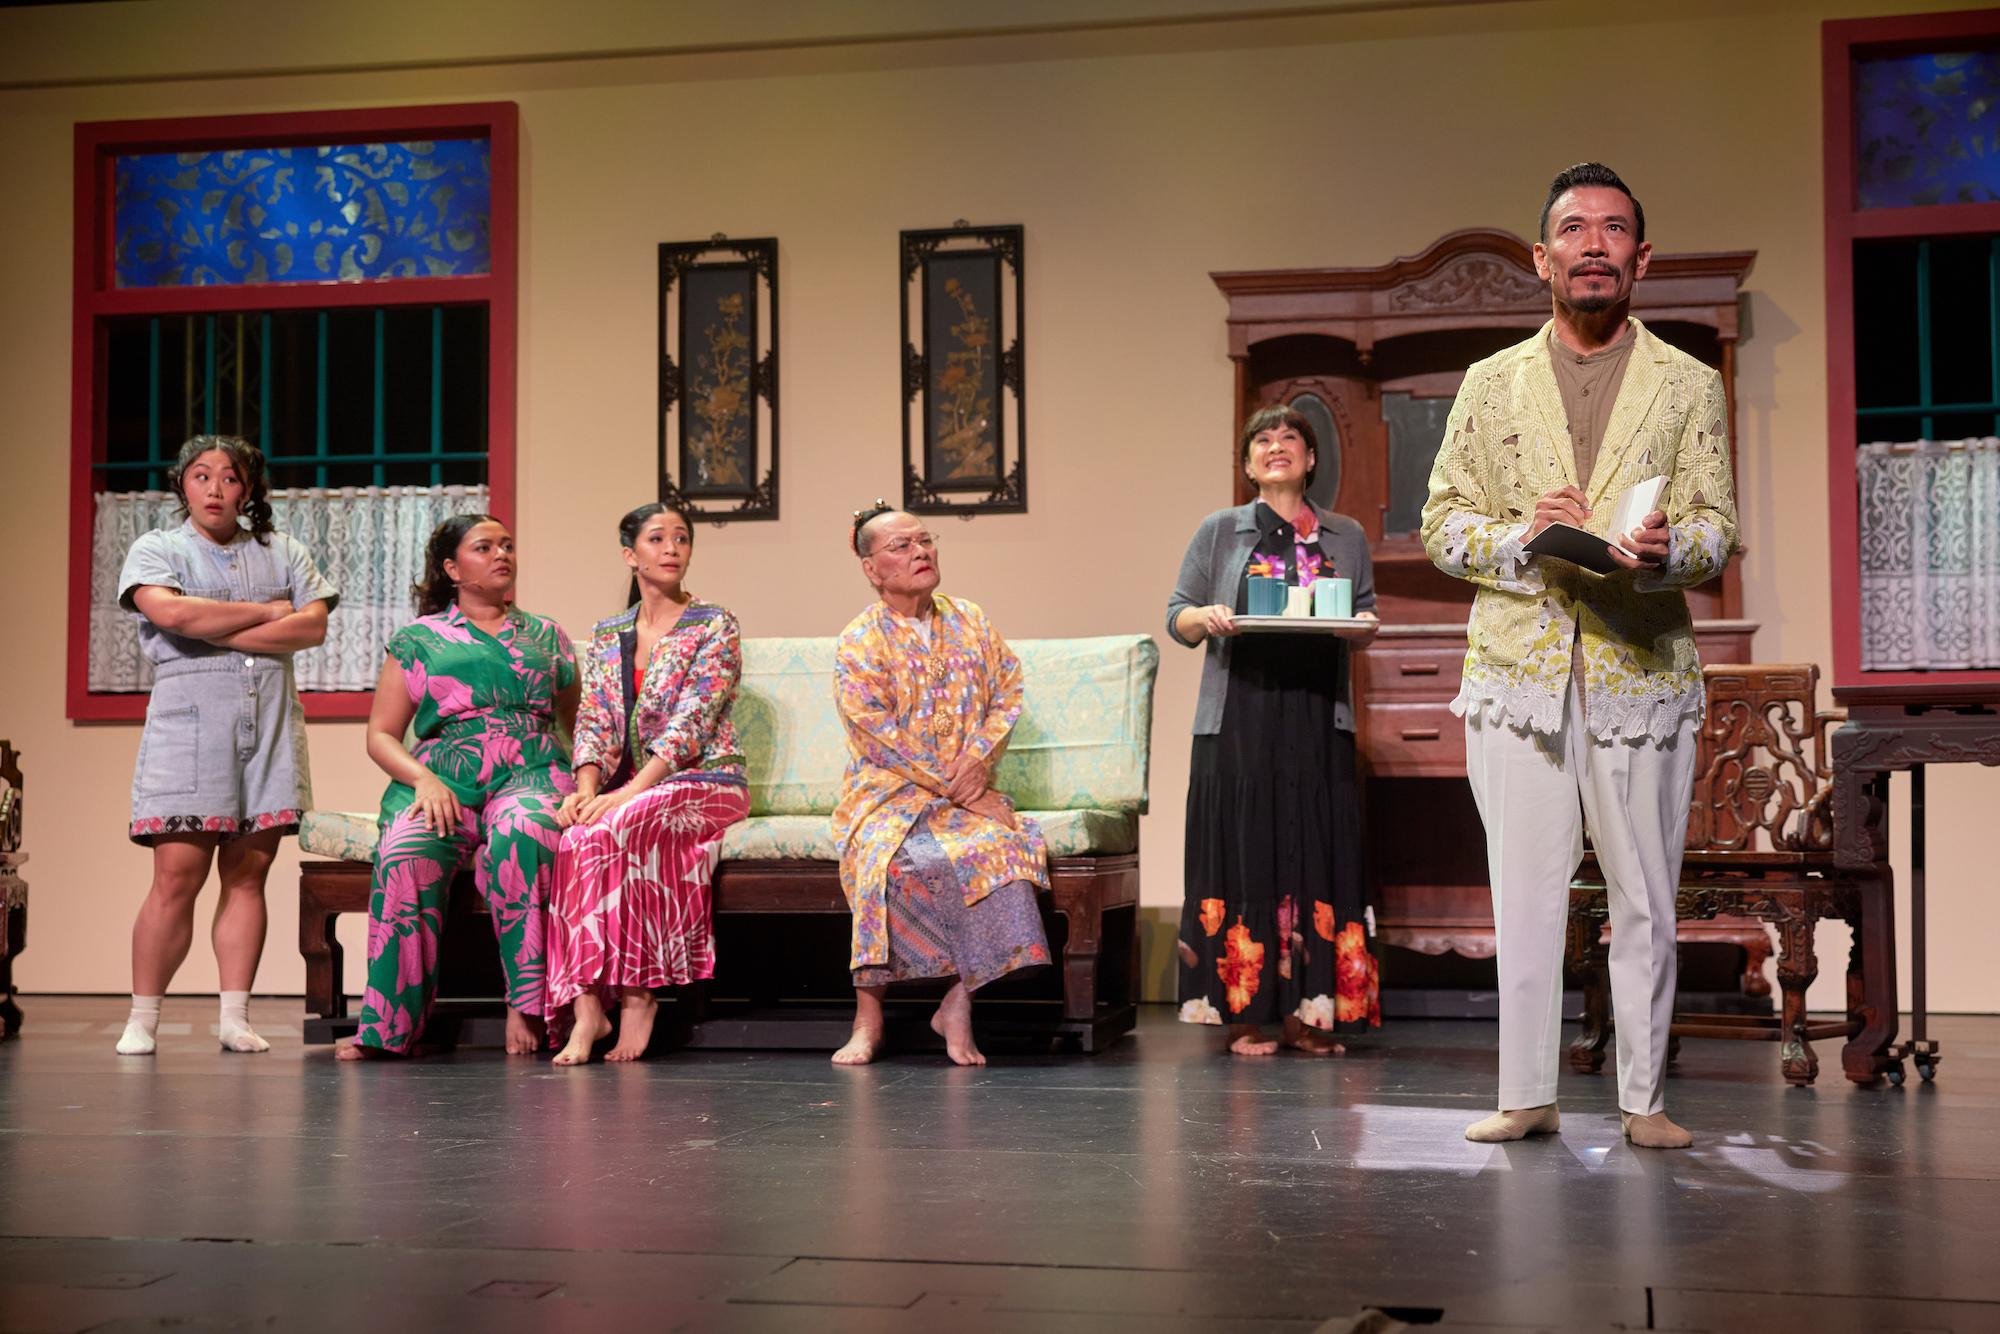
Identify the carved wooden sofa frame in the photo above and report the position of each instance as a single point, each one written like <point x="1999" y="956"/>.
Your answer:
<point x="1097" y="1000"/>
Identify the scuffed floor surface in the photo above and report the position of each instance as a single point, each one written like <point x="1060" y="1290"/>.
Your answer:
<point x="1159" y="1187"/>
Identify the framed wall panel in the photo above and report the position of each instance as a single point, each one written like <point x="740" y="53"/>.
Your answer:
<point x="964" y="417"/>
<point x="719" y="377"/>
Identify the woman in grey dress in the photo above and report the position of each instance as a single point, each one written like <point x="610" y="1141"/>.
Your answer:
<point x="223" y="602"/>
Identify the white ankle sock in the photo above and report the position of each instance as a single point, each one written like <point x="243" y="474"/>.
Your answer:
<point x="137" y="1039"/>
<point x="235" y="1029"/>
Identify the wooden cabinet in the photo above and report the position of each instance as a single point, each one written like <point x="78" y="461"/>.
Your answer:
<point x="1374" y="357"/>
<point x="1426" y="846"/>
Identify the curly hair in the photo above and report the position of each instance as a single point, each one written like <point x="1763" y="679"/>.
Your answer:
<point x="249" y="463"/>
<point x="634" y="524"/>
<point x="437" y="590"/>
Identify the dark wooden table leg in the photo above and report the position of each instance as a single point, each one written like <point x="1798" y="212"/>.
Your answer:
<point x="1923" y="1051"/>
<point x="1872" y="1053"/>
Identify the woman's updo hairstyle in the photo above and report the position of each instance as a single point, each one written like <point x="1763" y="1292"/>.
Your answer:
<point x="436" y="590"/>
<point x="634" y="524"/>
<point x="249" y="462"/>
<point x="862" y="518"/>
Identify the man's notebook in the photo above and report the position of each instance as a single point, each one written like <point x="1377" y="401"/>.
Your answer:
<point x="1568" y="542"/>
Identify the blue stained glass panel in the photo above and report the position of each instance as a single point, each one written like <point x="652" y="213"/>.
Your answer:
<point x="1927" y="130"/>
<point x="319" y="214"/>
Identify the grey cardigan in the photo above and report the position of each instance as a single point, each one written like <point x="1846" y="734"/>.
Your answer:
<point x="1213" y="571"/>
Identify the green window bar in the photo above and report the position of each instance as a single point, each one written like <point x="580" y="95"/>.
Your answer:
<point x="154" y="479"/>
<point x="1926" y="408"/>
<point x="202" y="395"/>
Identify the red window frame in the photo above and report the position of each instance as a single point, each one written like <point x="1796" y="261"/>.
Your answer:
<point x="96" y="301"/>
<point x="1843" y="43"/>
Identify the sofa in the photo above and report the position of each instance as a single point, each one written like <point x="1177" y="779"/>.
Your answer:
<point x="1077" y="764"/>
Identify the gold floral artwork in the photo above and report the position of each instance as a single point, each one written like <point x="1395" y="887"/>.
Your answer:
<point x="962" y="439"/>
<point x="719" y="398"/>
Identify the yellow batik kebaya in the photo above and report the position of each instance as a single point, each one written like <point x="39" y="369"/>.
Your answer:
<point x="905" y="724"/>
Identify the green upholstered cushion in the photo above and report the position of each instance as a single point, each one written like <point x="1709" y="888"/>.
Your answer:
<point x="342" y="835"/>
<point x="794" y="748"/>
<point x="1078" y="755"/>
<point x="1083" y="739"/>
<point x="1084" y="736"/>
<point x="350" y="835"/>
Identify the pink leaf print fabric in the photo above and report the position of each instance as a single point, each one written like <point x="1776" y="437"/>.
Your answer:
<point x="485" y="725"/>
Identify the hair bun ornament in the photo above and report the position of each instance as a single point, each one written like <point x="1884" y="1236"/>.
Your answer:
<point x="862" y="518"/>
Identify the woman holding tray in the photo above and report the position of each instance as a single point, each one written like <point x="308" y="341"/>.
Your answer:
<point x="1274" y="928"/>
<point x="659" y="777"/>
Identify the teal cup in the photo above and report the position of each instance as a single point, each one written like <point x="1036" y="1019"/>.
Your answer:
<point x="1267" y="596"/>
<point x="1333" y="598"/>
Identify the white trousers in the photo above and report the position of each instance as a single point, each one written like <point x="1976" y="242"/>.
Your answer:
<point x="1635" y="796"/>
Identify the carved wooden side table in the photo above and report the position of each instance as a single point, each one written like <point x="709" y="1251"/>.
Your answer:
<point x="1905" y="727"/>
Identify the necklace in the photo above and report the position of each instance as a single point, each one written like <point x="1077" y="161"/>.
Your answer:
<point x="935" y="669"/>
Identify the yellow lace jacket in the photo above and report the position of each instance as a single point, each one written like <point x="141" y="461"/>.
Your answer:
<point x="1506" y="445"/>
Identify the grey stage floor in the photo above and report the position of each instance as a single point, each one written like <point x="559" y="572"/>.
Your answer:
<point x="1159" y="1187"/>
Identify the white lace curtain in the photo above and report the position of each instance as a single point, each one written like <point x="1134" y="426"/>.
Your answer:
<point x="1930" y="554"/>
<point x="368" y="540"/>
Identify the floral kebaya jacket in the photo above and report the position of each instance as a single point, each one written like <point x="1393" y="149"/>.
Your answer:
<point x="897" y="759"/>
<point x="681" y="714"/>
<point x="1507" y="444"/>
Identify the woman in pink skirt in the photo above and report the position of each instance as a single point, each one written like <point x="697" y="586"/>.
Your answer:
<point x="659" y="776"/>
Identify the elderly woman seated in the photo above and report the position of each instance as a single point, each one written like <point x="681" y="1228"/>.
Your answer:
<point x="938" y="870"/>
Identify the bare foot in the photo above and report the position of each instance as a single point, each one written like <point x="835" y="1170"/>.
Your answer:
<point x="590" y="1026"/>
<point x="635" y="1025"/>
<point x="863" y="1046"/>
<point x="1249" y="1040"/>
<point x="347" y="1049"/>
<point x="1302" y="1037"/>
<point x="953" y="1023"/>
<point x="524" y="1033"/>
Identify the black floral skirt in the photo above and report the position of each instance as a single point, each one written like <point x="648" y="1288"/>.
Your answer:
<point x="1274" y="923"/>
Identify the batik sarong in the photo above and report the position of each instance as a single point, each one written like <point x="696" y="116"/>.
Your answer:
<point x="932" y="931"/>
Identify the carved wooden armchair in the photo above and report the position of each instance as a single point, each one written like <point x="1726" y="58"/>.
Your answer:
<point x="13" y="890"/>
<point x="1760" y="845"/>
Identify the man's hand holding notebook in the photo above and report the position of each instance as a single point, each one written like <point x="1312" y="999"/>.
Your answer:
<point x="1638" y="533"/>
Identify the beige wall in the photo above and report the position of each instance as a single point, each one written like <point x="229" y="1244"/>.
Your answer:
<point x="1139" y="159"/>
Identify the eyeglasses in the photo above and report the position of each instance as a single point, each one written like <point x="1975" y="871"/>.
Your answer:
<point x="899" y="546"/>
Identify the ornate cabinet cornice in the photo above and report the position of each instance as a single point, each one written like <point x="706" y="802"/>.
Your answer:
<point x="1479" y="278"/>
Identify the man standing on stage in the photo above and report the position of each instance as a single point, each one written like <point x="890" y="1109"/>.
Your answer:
<point x="1579" y="685"/>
